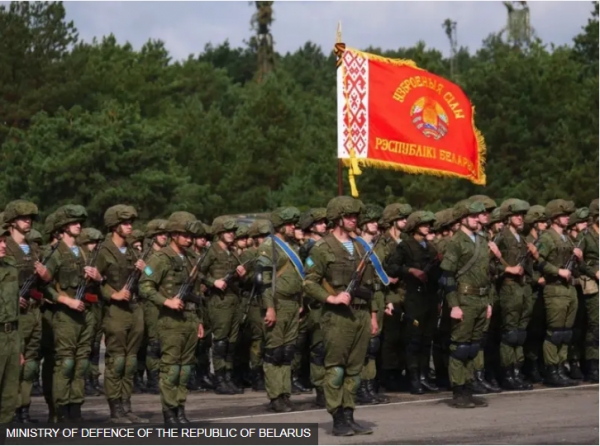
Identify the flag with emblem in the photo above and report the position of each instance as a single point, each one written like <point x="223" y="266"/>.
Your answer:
<point x="392" y="114"/>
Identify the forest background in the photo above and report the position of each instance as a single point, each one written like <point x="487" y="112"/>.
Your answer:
<point x="100" y="124"/>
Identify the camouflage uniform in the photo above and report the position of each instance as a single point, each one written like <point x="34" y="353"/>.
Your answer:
<point x="178" y="331"/>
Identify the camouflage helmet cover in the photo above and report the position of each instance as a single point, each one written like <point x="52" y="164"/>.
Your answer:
<point x="260" y="227"/>
<point x="89" y="235"/>
<point x="443" y="219"/>
<point x="67" y="214"/>
<point x="580" y="215"/>
<point x="197" y="229"/>
<point x="487" y="201"/>
<point x="180" y="221"/>
<point x="3" y="229"/>
<point x="137" y="235"/>
<point x="20" y="208"/>
<point x="418" y="218"/>
<point x="310" y="217"/>
<point x="343" y="205"/>
<point x="594" y="208"/>
<point x="371" y="212"/>
<point x="117" y="214"/>
<point x="559" y="207"/>
<point x="496" y="216"/>
<point x="466" y="208"/>
<point x="242" y="231"/>
<point x="155" y="227"/>
<point x="284" y="215"/>
<point x="513" y="206"/>
<point x="534" y="214"/>
<point x="395" y="211"/>
<point x="49" y="223"/>
<point x="223" y="224"/>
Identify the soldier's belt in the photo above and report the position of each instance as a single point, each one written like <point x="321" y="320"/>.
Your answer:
<point x="473" y="291"/>
<point x="190" y="306"/>
<point x="360" y="306"/>
<point x="288" y="298"/>
<point x="314" y="305"/>
<point x="518" y="281"/>
<point x="9" y="327"/>
<point x="377" y="286"/>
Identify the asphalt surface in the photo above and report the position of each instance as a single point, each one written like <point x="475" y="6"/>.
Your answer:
<point x="541" y="416"/>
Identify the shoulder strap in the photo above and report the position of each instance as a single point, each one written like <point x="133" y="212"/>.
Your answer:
<point x="472" y="260"/>
<point x="291" y="255"/>
<point x="377" y="266"/>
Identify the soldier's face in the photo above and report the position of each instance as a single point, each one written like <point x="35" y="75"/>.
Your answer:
<point x="542" y="225"/>
<point x="471" y="222"/>
<point x="516" y="221"/>
<point x="562" y="221"/>
<point x="372" y="228"/>
<point x="228" y="237"/>
<point x="242" y="243"/>
<point x="161" y="239"/>
<point x="74" y="229"/>
<point x="91" y="246"/>
<point x="23" y="224"/>
<point x="2" y="245"/>
<point x="498" y="226"/>
<point x="183" y="240"/>
<point x="289" y="230"/>
<point x="424" y="229"/>
<point x="320" y="227"/>
<point x="581" y="226"/>
<point x="298" y="234"/>
<point x="201" y="242"/>
<point x="125" y="228"/>
<point x="455" y="227"/>
<point x="484" y="218"/>
<point x="400" y="223"/>
<point x="349" y="222"/>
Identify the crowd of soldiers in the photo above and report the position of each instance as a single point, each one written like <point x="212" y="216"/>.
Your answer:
<point x="347" y="300"/>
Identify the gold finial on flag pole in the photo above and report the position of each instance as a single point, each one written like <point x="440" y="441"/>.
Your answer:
<point x="338" y="34"/>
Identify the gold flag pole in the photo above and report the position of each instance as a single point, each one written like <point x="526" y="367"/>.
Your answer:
<point x="340" y="166"/>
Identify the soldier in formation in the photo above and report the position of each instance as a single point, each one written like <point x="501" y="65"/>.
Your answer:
<point x="498" y="297"/>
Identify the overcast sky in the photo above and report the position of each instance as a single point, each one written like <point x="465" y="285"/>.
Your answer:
<point x="186" y="27"/>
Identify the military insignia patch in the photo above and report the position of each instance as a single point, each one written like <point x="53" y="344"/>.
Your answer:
<point x="309" y="262"/>
<point x="148" y="271"/>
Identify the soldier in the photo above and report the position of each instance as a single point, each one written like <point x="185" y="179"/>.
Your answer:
<point x="416" y="261"/>
<point x="35" y="237"/>
<point x="314" y="225"/>
<point x="11" y="358"/>
<point x="560" y="296"/>
<point x="536" y="223"/>
<point x="241" y="239"/>
<point x="589" y="270"/>
<point x="516" y="301"/>
<point x="282" y="276"/>
<point x="347" y="318"/>
<point x="156" y="234"/>
<point x="73" y="322"/>
<point x="123" y="322"/>
<point x="88" y="240"/>
<point x="369" y="228"/>
<point x="18" y="217"/>
<point x="180" y="321"/>
<point x="221" y="272"/>
<point x="465" y="269"/>
<point x="392" y="354"/>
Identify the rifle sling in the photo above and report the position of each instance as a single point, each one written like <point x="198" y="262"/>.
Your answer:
<point x="472" y="260"/>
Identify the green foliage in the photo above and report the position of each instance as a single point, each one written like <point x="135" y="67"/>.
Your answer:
<point x="100" y="123"/>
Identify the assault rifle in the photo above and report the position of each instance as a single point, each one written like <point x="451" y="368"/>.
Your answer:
<point x="573" y="259"/>
<point x="26" y="287"/>
<point x="185" y="291"/>
<point x="80" y="293"/>
<point x="135" y="275"/>
<point x="356" y="277"/>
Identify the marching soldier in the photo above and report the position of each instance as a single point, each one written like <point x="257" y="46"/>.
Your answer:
<point x="180" y="321"/>
<point x="123" y="322"/>
<point x="416" y="261"/>
<point x="465" y="269"/>
<point x="282" y="276"/>
<point x="18" y="217"/>
<point x="560" y="297"/>
<point x="73" y="322"/>
<point x="347" y="316"/>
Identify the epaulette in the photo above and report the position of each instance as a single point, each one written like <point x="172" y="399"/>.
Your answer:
<point x="319" y="243"/>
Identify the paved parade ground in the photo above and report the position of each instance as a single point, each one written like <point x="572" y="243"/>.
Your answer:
<point x="541" y="416"/>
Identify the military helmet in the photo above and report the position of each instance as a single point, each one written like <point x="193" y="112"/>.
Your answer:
<point x="284" y="215"/>
<point x="395" y="211"/>
<point x="89" y="235"/>
<point x="242" y="231"/>
<point x="3" y="229"/>
<point x="496" y="216"/>
<point x="343" y="205"/>
<point x="558" y="207"/>
<point x="136" y="236"/>
<point x="259" y="228"/>
<point x="580" y="215"/>
<point x="155" y="227"/>
<point x="443" y="219"/>
<point x="594" y="208"/>
<point x="196" y="228"/>
<point x="513" y="206"/>
<point x="67" y="214"/>
<point x="371" y="212"/>
<point x="115" y="215"/>
<point x="180" y="221"/>
<point x="224" y="224"/>
<point x="310" y="217"/>
<point x="534" y="214"/>
<point x="49" y="224"/>
<point x="464" y="209"/>
<point x="418" y="218"/>
<point x="20" y="208"/>
<point x="208" y="230"/>
<point x="34" y="236"/>
<point x="487" y="201"/>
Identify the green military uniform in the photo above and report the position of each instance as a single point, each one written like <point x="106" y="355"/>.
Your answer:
<point x="536" y="329"/>
<point x="30" y="323"/>
<point x="178" y="331"/>
<point x="393" y="361"/>
<point x="466" y="277"/>
<point x="92" y="385"/>
<point x="223" y="306"/>
<point x="421" y="302"/>
<point x="516" y="301"/>
<point x="10" y="338"/>
<point x="123" y="322"/>
<point x="560" y="296"/>
<point x="346" y="328"/>
<point x="73" y="329"/>
<point x="589" y="280"/>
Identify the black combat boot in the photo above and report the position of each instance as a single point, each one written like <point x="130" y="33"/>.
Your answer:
<point x="117" y="414"/>
<point x="170" y="416"/>
<point x="205" y="380"/>
<point x="508" y="379"/>
<point x="563" y="374"/>
<point x="592" y="371"/>
<point x="152" y="383"/>
<point x="192" y="384"/>
<point x="279" y="405"/>
<point x="297" y="387"/>
<point x="460" y="399"/>
<point x="476" y="400"/>
<point x="62" y="414"/>
<point x="533" y="371"/>
<point x="126" y="403"/>
<point x="90" y="390"/>
<point x="519" y="379"/>
<point x="320" y="399"/>
<point x="23" y="415"/>
<point x="221" y="387"/>
<point x="392" y="381"/>
<point x="476" y="386"/>
<point x="575" y="371"/>
<point x="229" y="381"/>
<point x="97" y="385"/>
<point x="258" y="381"/>
<point x="428" y="384"/>
<point x="363" y="397"/>
<point x="357" y="428"/>
<point x="288" y="402"/>
<point x="138" y="383"/>
<point x="378" y="397"/>
<point x="490" y="387"/>
<point x="552" y="378"/>
<point x="341" y="428"/>
<point x="415" y="383"/>
<point x="37" y="390"/>
<point x="181" y="418"/>
<point x="75" y="413"/>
